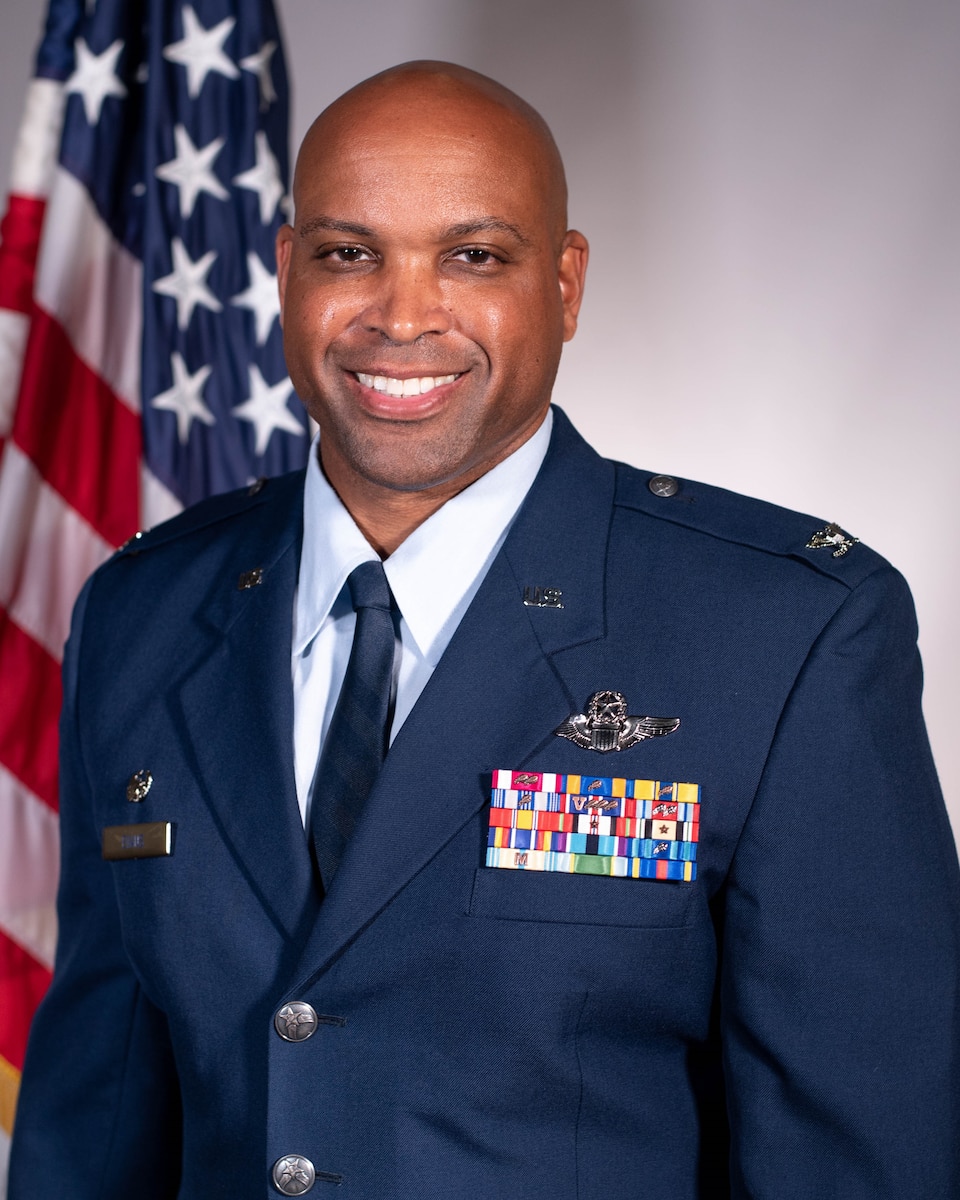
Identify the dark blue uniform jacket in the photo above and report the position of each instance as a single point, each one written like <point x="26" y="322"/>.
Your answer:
<point x="782" y="1028"/>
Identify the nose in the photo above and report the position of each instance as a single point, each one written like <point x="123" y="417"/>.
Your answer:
<point x="408" y="303"/>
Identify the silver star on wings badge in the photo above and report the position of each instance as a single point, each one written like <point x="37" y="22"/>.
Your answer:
<point x="605" y="725"/>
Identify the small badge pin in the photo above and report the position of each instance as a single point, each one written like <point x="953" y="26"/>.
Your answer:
<point x="832" y="536"/>
<point x="542" y="597"/>
<point x="250" y="579"/>
<point x="139" y="783"/>
<point x="605" y="726"/>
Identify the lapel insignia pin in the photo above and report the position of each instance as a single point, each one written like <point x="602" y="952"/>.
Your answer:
<point x="542" y="597"/>
<point x="250" y="579"/>
<point x="139" y="783"/>
<point x="605" y="725"/>
<point x="832" y="536"/>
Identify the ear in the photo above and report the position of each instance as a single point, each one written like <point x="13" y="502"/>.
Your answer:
<point x="571" y="273"/>
<point x="284" y="251"/>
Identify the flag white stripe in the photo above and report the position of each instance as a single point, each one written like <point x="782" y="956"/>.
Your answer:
<point x="46" y="554"/>
<point x="29" y="857"/>
<point x="157" y="502"/>
<point x="35" y="154"/>
<point x="92" y="286"/>
<point x="14" y="328"/>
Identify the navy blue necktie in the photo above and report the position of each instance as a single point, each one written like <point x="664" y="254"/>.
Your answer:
<point x="357" y="739"/>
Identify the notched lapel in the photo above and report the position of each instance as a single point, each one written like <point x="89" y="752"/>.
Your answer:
<point x="493" y="701"/>
<point x="236" y="709"/>
<point x="471" y="717"/>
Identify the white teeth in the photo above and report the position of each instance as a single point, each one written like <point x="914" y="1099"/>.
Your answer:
<point x="404" y="387"/>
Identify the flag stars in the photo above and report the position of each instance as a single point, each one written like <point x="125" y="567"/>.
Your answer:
<point x="187" y="283"/>
<point x="259" y="64"/>
<point x="263" y="178"/>
<point x="184" y="397"/>
<point x="191" y="171"/>
<point x="267" y="409"/>
<point x="201" y="51"/>
<point x="261" y="297"/>
<point x="95" y="77"/>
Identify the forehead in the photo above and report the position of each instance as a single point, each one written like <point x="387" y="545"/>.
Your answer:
<point x="423" y="166"/>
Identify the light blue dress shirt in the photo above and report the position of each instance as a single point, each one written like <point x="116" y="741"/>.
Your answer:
<point x="433" y="575"/>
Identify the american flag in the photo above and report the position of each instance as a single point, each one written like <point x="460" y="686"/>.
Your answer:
<point x="141" y="364"/>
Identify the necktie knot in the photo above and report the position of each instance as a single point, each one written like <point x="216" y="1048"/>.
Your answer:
<point x="368" y="586"/>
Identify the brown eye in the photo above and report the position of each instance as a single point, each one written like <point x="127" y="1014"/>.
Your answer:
<point x="476" y="256"/>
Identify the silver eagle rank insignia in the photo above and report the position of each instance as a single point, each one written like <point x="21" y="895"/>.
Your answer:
<point x="605" y="725"/>
<point x="832" y="537"/>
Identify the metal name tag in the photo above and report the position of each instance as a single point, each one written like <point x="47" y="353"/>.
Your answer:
<point x="153" y="839"/>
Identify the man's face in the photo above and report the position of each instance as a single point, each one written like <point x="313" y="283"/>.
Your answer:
<point x="426" y="292"/>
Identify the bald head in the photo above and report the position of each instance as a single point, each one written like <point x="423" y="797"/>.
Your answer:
<point x="430" y="98"/>
<point x="427" y="287"/>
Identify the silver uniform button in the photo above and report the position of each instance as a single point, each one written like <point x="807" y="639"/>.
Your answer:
<point x="663" y="485"/>
<point x="293" y="1175"/>
<point x="296" y="1021"/>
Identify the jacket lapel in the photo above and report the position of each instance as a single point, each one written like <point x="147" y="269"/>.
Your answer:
<point x="474" y="714"/>
<point x="236" y="709"/>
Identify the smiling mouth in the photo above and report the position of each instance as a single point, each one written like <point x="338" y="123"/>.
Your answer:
<point x="388" y="386"/>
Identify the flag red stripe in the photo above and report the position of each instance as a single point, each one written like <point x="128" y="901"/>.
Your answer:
<point x="19" y="243"/>
<point x="23" y="982"/>
<point x="29" y="710"/>
<point x="85" y="442"/>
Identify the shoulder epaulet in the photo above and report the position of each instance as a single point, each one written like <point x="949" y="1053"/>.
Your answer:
<point x="822" y="545"/>
<point x="209" y="512"/>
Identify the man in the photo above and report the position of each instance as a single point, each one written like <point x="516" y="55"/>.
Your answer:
<point x="752" y="994"/>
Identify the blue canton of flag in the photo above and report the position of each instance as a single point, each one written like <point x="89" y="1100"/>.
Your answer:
<point x="176" y="123"/>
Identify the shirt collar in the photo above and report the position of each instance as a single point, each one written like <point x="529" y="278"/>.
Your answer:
<point x="436" y="571"/>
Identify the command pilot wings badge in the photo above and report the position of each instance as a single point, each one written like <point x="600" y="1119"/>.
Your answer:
<point x="605" y="725"/>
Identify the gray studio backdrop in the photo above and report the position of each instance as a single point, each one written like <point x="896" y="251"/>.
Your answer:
<point x="770" y="189"/>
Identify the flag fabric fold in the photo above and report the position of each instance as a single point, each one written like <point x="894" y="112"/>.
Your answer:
<point x="141" y="364"/>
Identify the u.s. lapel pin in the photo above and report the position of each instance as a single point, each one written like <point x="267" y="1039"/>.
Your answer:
<point x="542" y="597"/>
<point x="605" y="726"/>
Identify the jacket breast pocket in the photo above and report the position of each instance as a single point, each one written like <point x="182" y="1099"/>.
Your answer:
<point x="565" y="898"/>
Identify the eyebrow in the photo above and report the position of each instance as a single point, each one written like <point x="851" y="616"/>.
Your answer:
<point x="485" y="225"/>
<point x="452" y="232"/>
<point x="322" y="222"/>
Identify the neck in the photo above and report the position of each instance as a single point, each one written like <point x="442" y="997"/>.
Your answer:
<point x="386" y="519"/>
<point x="385" y="516"/>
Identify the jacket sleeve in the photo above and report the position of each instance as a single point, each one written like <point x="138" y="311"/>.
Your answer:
<point x="98" y="1112"/>
<point x="839" y="997"/>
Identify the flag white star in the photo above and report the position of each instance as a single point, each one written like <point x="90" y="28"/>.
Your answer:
<point x="187" y="283"/>
<point x="201" y="51"/>
<point x="263" y="178"/>
<point x="261" y="297"/>
<point x="190" y="170"/>
<point x="95" y="77"/>
<point x="184" y="397"/>
<point x="267" y="409"/>
<point x="259" y="64"/>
